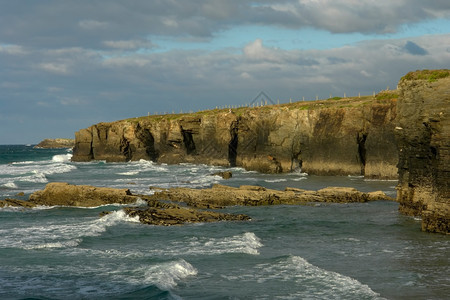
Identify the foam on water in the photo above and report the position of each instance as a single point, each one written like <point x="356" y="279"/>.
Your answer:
<point x="313" y="280"/>
<point x="275" y="180"/>
<point x="129" y="173"/>
<point x="166" y="275"/>
<point x="60" y="235"/>
<point x="62" y="157"/>
<point x="10" y="185"/>
<point x="247" y="243"/>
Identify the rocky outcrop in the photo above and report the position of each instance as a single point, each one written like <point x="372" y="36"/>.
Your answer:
<point x="353" y="136"/>
<point x="180" y="215"/>
<point x="246" y="195"/>
<point x="423" y="132"/>
<point x="155" y="213"/>
<point x="56" y="143"/>
<point x="60" y="193"/>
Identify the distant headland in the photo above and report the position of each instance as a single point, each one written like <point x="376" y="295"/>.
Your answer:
<point x="56" y="143"/>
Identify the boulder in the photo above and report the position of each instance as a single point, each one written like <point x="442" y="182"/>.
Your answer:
<point x="224" y="175"/>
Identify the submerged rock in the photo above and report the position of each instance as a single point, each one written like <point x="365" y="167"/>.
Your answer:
<point x="16" y="203"/>
<point x="246" y="195"/>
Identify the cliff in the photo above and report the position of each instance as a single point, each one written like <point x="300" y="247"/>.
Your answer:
<point x="352" y="136"/>
<point x="423" y="133"/>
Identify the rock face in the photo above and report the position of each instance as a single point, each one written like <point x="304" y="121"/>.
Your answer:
<point x="56" y="143"/>
<point x="333" y="137"/>
<point x="423" y="131"/>
<point x="246" y="195"/>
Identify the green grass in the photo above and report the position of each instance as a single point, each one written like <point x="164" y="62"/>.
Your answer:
<point x="387" y="95"/>
<point x="429" y="75"/>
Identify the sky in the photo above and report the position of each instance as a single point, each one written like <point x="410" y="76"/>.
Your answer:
<point x="66" y="65"/>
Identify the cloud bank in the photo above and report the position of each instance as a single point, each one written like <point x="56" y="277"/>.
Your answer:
<point x="66" y="65"/>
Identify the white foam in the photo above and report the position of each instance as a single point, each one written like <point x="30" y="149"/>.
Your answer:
<point x="65" y="244"/>
<point x="247" y="243"/>
<point x="313" y="280"/>
<point x="62" y="157"/>
<point x="59" y="169"/>
<point x="23" y="162"/>
<point x="10" y="185"/>
<point x="129" y="173"/>
<point x="60" y="235"/>
<point x="275" y="180"/>
<point x="299" y="178"/>
<point x="166" y="275"/>
<point x="36" y="177"/>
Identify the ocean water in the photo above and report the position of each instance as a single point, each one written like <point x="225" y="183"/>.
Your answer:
<point x="321" y="251"/>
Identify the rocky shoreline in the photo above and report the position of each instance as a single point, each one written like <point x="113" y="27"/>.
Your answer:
<point x="402" y="134"/>
<point x="161" y="207"/>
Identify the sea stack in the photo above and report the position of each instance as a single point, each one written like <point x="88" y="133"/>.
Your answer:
<point x="423" y="134"/>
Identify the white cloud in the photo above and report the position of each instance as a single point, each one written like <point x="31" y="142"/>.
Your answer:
<point x="58" y="68"/>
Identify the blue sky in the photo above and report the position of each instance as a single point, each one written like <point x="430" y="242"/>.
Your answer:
<point x="65" y="65"/>
<point x="290" y="39"/>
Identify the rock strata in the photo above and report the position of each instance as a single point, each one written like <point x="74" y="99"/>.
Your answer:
<point x="56" y="143"/>
<point x="423" y="134"/>
<point x="330" y="137"/>
<point x="246" y="195"/>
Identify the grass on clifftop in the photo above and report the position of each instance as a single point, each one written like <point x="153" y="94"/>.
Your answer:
<point x="429" y="75"/>
<point x="382" y="97"/>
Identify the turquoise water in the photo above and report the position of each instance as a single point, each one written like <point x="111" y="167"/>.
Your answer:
<point x="326" y="251"/>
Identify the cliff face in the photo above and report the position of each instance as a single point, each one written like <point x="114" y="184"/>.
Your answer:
<point x="423" y="131"/>
<point x="334" y="137"/>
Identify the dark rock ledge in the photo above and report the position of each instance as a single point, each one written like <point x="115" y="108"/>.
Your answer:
<point x="158" y="212"/>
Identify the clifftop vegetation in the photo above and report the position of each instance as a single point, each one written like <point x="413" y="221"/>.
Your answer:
<point x="429" y="75"/>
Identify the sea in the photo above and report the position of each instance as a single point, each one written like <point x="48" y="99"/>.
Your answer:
<point x="316" y="251"/>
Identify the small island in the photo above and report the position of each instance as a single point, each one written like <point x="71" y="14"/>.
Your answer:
<point x="56" y="144"/>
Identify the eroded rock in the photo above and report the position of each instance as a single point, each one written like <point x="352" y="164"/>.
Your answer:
<point x="61" y="193"/>
<point x="246" y="195"/>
